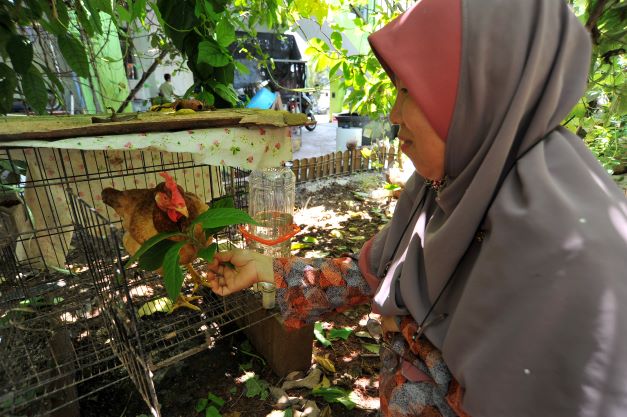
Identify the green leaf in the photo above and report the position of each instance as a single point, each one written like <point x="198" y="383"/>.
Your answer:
<point x="123" y="14"/>
<point x="21" y="53"/>
<point x="225" y="32"/>
<point x="371" y="347"/>
<point x="172" y="273"/>
<point x="243" y="69"/>
<point x="74" y="54"/>
<point x="54" y="80"/>
<point x="335" y="395"/>
<point x="208" y="252"/>
<point x="336" y="40"/>
<point x="94" y="15"/>
<point x="103" y="6"/>
<point x="288" y="413"/>
<point x="209" y="53"/>
<point x="211" y="411"/>
<point x="35" y="90"/>
<point x="8" y="83"/>
<point x="335" y="334"/>
<point x="224" y="202"/>
<point x="208" y="10"/>
<point x="219" y="217"/>
<point x="152" y="259"/>
<point x="160" y="305"/>
<point x="202" y="404"/>
<point x="226" y="92"/>
<point x="334" y="69"/>
<point x="215" y="399"/>
<point x="139" y="8"/>
<point x="178" y="21"/>
<point x="256" y="387"/>
<point x="319" y="333"/>
<point x="364" y="335"/>
<point x="207" y="98"/>
<point x="310" y="239"/>
<point x="84" y="21"/>
<point x="149" y="244"/>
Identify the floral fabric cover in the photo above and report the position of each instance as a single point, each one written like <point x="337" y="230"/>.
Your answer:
<point x="250" y="148"/>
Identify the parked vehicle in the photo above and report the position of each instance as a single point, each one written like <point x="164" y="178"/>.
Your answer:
<point x="301" y="103"/>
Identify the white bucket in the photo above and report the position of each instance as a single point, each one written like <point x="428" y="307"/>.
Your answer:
<point x="347" y="135"/>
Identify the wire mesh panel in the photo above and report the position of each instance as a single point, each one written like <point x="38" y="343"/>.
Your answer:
<point x="74" y="320"/>
<point x="46" y="173"/>
<point x="54" y="348"/>
<point x="144" y="333"/>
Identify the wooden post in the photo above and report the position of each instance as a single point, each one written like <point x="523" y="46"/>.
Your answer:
<point x="325" y="165"/>
<point x="356" y="159"/>
<point x="391" y="156"/>
<point x="338" y="162"/>
<point x="303" y="169"/>
<point x="319" y="166"/>
<point x="312" y="168"/>
<point x="295" y="169"/>
<point x="346" y="162"/>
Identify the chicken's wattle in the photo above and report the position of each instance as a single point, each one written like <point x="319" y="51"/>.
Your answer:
<point x="174" y="215"/>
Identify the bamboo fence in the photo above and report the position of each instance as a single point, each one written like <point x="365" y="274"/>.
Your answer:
<point x="343" y="163"/>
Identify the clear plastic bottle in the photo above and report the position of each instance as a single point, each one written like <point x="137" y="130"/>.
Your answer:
<point x="271" y="203"/>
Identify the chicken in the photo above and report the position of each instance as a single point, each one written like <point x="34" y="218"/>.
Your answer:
<point x="164" y="208"/>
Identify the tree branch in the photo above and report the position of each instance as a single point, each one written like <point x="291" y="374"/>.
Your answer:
<point x="142" y="80"/>
<point x="595" y="15"/>
<point x="606" y="56"/>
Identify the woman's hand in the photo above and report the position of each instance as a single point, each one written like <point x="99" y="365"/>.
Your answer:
<point x="238" y="269"/>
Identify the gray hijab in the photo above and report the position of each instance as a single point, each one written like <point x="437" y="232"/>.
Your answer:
<point x="529" y="227"/>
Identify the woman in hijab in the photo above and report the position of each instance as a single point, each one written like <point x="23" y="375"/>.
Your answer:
<point x="501" y="278"/>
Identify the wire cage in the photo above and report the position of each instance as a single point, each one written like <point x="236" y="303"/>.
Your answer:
<point x="65" y="261"/>
<point x="54" y="348"/>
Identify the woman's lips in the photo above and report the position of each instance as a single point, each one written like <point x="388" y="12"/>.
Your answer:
<point x="404" y="143"/>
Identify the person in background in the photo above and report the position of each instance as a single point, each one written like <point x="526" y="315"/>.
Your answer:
<point x="501" y="280"/>
<point x="166" y="91"/>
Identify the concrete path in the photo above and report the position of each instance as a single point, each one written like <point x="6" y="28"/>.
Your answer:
<point x="319" y="142"/>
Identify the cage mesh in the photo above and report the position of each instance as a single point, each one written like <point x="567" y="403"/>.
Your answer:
<point x="70" y="322"/>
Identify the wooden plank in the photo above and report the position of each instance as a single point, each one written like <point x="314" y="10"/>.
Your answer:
<point x="391" y="157"/>
<point x="49" y="128"/>
<point x="384" y="157"/>
<point x="346" y="161"/>
<point x="319" y="173"/>
<point x="303" y="169"/>
<point x="338" y="163"/>
<point x="296" y="170"/>
<point x="356" y="159"/>
<point x="325" y="165"/>
<point x="312" y="169"/>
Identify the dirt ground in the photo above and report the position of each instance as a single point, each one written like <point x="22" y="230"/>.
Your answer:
<point x="336" y="217"/>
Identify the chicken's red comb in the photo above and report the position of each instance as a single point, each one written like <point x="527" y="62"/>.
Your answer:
<point x="170" y="184"/>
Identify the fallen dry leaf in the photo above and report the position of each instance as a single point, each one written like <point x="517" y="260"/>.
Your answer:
<point x="326" y="363"/>
<point x="310" y="381"/>
<point x="326" y="412"/>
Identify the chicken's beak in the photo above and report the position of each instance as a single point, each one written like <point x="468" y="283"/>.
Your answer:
<point x="183" y="210"/>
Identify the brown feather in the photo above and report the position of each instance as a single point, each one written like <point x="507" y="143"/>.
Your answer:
<point x="143" y="219"/>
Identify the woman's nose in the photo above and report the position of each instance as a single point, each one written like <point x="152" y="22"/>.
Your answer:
<point x="395" y="113"/>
